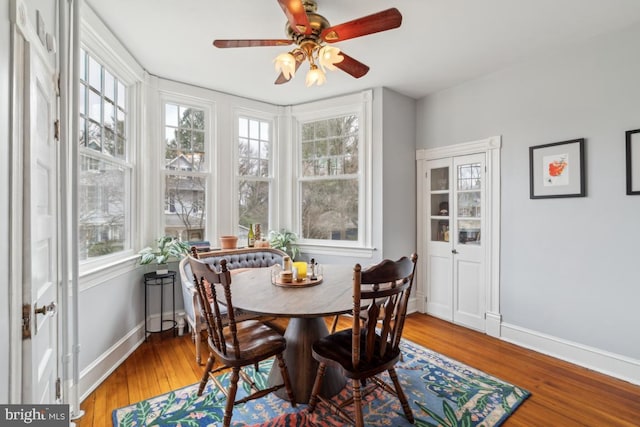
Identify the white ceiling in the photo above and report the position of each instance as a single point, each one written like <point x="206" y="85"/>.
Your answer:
<point x="440" y="43"/>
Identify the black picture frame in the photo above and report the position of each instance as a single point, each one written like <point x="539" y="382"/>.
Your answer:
<point x="557" y="170"/>
<point x="633" y="161"/>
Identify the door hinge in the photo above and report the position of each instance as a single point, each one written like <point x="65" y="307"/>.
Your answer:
<point x="58" y="389"/>
<point x="56" y="130"/>
<point x="26" y="321"/>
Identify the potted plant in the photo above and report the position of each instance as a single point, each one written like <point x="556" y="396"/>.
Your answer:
<point x="285" y="241"/>
<point x="168" y="247"/>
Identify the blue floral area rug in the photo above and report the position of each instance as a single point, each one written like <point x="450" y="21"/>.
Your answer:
<point x="441" y="391"/>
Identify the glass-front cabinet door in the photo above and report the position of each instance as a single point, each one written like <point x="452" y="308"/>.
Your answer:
<point x="439" y="200"/>
<point x="468" y="193"/>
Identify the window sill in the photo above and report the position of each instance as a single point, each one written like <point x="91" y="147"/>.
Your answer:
<point x="94" y="274"/>
<point x="338" y="250"/>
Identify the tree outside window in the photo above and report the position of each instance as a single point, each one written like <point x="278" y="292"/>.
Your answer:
<point x="330" y="179"/>
<point x="254" y="176"/>
<point x="185" y="172"/>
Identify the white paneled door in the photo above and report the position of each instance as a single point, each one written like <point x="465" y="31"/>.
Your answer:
<point x="467" y="248"/>
<point x="454" y="204"/>
<point x="40" y="264"/>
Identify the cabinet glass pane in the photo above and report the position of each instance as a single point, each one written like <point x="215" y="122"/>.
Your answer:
<point x="469" y="232"/>
<point x="469" y="204"/>
<point x="469" y="177"/>
<point x="439" y="230"/>
<point x="440" y="179"/>
<point x="440" y="204"/>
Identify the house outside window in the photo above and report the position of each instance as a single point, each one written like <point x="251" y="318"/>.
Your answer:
<point x="254" y="173"/>
<point x="185" y="172"/>
<point x="105" y="178"/>
<point x="329" y="179"/>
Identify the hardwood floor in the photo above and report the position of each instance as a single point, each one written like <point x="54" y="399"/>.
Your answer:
<point x="562" y="394"/>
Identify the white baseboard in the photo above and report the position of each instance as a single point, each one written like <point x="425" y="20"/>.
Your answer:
<point x="615" y="365"/>
<point x="98" y="371"/>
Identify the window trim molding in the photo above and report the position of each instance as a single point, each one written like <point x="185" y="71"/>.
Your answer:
<point x="360" y="104"/>
<point x="99" y="42"/>
<point x="273" y="165"/>
<point x="209" y="174"/>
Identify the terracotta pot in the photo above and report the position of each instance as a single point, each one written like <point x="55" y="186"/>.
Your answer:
<point x="228" y="242"/>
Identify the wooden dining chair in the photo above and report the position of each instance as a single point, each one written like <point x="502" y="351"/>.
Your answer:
<point x="369" y="347"/>
<point x="235" y="344"/>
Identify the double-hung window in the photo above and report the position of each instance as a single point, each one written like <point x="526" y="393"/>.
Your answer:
<point x="254" y="176"/>
<point x="105" y="166"/>
<point x="333" y="158"/>
<point x="185" y="171"/>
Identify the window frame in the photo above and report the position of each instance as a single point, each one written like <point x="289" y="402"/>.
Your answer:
<point x="273" y="164"/>
<point x="206" y="172"/>
<point x="104" y="48"/>
<point x="359" y="105"/>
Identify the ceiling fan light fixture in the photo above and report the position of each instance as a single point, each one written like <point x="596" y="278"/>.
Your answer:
<point x="328" y="56"/>
<point x="285" y="63"/>
<point x="315" y="76"/>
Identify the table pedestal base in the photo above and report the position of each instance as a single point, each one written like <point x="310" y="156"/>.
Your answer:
<point x="300" y="335"/>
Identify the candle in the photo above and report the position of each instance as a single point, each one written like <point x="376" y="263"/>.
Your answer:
<point x="301" y="266"/>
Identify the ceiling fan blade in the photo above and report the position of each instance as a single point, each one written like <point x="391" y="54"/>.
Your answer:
<point x="352" y="66"/>
<point x="381" y="21"/>
<point x="281" y="78"/>
<point x="251" y="43"/>
<point x="297" y="16"/>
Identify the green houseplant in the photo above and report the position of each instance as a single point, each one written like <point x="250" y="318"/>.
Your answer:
<point x="168" y="248"/>
<point x="285" y="241"/>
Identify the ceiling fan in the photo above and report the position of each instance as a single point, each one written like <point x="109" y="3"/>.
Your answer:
<point x="312" y="34"/>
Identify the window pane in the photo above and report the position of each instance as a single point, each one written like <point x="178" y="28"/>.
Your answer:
<point x="95" y="74"/>
<point x="184" y="138"/>
<point x="333" y="155"/>
<point x="104" y="187"/>
<point x="109" y="114"/>
<point x="121" y="96"/>
<point x="95" y="112"/>
<point x="171" y="115"/>
<point x="102" y="207"/>
<point x="330" y="202"/>
<point x="109" y="85"/>
<point x="254" y="158"/>
<point x="253" y="206"/>
<point x="83" y="65"/>
<point x="185" y="214"/>
<point x="330" y="210"/>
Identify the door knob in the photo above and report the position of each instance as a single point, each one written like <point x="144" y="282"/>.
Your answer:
<point x="453" y="251"/>
<point x="46" y="309"/>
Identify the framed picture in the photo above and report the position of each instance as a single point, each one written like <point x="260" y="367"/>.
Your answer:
<point x="633" y="161"/>
<point x="557" y="170"/>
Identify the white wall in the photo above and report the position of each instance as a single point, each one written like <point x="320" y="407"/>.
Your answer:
<point x="570" y="267"/>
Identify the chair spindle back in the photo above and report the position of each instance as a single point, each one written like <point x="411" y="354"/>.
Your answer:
<point x="386" y="288"/>
<point x="206" y="279"/>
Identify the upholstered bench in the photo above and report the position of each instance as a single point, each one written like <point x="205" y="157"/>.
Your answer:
<point x="237" y="260"/>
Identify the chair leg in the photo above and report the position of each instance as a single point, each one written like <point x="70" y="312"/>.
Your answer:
<point x="401" y="396"/>
<point x="334" y="325"/>
<point x="313" y="400"/>
<point x="205" y="375"/>
<point x="233" y="388"/>
<point x="357" y="403"/>
<point x="285" y="378"/>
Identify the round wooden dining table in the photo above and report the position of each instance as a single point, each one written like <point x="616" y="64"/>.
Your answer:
<point x="306" y="307"/>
